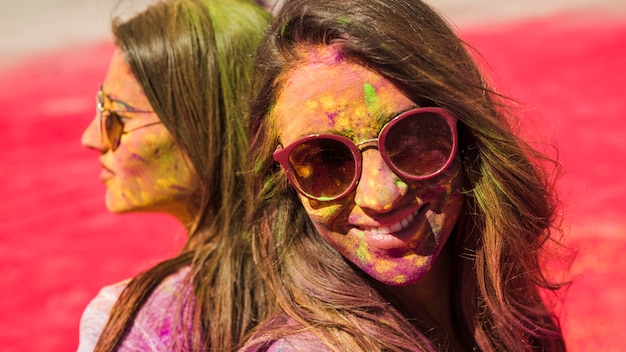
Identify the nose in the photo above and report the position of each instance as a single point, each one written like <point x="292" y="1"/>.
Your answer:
<point x="92" y="136"/>
<point x="379" y="189"/>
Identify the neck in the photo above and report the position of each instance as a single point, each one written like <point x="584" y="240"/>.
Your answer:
<point x="184" y="214"/>
<point x="430" y="299"/>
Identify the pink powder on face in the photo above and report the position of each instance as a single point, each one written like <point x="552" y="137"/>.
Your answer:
<point x="331" y="117"/>
<point x="389" y="228"/>
<point x="338" y="56"/>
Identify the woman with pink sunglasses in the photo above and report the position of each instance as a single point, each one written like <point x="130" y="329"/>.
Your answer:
<point x="170" y="131"/>
<point x="397" y="209"/>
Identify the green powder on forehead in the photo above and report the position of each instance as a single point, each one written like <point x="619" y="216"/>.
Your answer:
<point x="370" y="96"/>
<point x="371" y="103"/>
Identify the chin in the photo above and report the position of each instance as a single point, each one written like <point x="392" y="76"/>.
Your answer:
<point x="398" y="279"/>
<point x="399" y="272"/>
<point x="118" y="206"/>
<point x="119" y="210"/>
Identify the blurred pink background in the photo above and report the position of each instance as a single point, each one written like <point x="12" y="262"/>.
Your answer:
<point x="564" y="60"/>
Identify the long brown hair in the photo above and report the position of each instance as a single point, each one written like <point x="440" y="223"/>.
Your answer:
<point x="509" y="211"/>
<point x="194" y="60"/>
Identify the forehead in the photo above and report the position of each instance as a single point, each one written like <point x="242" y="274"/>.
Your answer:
<point x="326" y="93"/>
<point x="120" y="82"/>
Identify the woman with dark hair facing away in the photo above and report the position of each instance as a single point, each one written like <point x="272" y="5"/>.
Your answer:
<point x="397" y="210"/>
<point x="170" y="129"/>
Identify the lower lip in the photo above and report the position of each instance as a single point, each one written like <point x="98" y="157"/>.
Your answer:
<point x="105" y="175"/>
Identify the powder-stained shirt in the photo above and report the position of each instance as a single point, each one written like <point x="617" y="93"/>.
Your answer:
<point x="301" y="340"/>
<point x="153" y="328"/>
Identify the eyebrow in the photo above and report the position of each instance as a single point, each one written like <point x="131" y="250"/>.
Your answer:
<point x="384" y="119"/>
<point x="126" y="105"/>
<point x="380" y="119"/>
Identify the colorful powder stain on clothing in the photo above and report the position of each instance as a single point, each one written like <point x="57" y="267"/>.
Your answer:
<point x="155" y="327"/>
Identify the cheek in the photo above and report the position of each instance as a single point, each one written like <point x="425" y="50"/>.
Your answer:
<point x="449" y="199"/>
<point x="330" y="222"/>
<point x="135" y="158"/>
<point x="153" y="160"/>
<point x="322" y="216"/>
<point x="445" y="188"/>
<point x="443" y="218"/>
<point x="446" y="198"/>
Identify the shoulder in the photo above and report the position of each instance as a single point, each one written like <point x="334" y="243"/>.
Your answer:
<point x="302" y="342"/>
<point x="96" y="315"/>
<point x="159" y="322"/>
<point x="154" y="326"/>
<point x="281" y="334"/>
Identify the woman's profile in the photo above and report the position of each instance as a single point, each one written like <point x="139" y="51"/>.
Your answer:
<point x="170" y="130"/>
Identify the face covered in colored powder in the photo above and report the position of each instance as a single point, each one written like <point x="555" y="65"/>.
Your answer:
<point x="391" y="228"/>
<point x="146" y="171"/>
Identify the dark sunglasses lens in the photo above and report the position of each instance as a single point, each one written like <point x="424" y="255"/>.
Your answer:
<point x="420" y="144"/>
<point x="322" y="168"/>
<point x="113" y="128"/>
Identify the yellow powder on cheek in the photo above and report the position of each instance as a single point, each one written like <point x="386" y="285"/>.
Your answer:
<point x="155" y="145"/>
<point x="150" y="138"/>
<point x="321" y="215"/>
<point x="134" y="196"/>
<point x="361" y="252"/>
<point x="165" y="183"/>
<point x="140" y="152"/>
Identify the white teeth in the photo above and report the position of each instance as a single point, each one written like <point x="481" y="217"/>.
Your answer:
<point x="396" y="227"/>
<point x="402" y="224"/>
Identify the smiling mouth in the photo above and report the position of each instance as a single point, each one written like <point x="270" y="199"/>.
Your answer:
<point x="400" y="225"/>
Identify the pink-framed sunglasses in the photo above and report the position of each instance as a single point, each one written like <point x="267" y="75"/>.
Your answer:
<point x="418" y="144"/>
